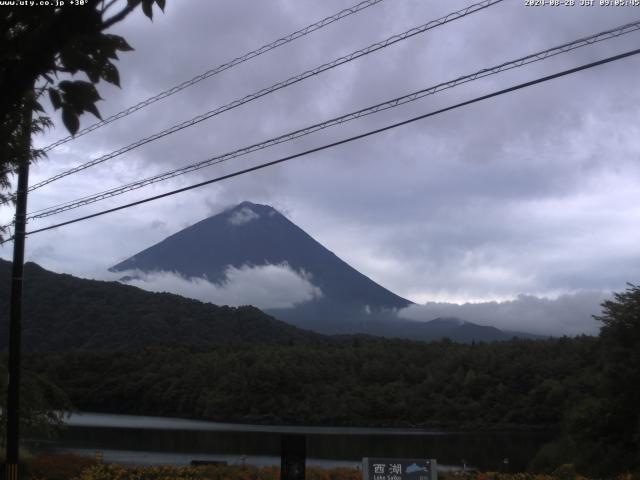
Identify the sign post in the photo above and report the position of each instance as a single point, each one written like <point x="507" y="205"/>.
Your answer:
<point x="293" y="457"/>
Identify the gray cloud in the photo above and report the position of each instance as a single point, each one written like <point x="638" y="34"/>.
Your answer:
<point x="267" y="286"/>
<point x="532" y="193"/>
<point x="569" y="314"/>
<point x="242" y="216"/>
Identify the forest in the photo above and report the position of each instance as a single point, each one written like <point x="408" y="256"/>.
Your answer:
<point x="240" y="365"/>
<point x="572" y="386"/>
<point x="62" y="312"/>
<point x="364" y="382"/>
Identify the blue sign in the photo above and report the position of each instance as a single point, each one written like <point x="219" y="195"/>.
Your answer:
<point x="399" y="469"/>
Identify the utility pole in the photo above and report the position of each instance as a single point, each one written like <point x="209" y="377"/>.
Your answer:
<point x="12" y="469"/>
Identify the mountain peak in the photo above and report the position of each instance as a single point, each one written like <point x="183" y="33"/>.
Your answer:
<point x="249" y="205"/>
<point x="250" y="236"/>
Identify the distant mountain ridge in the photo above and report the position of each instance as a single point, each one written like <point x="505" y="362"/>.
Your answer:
<point x="62" y="312"/>
<point x="257" y="235"/>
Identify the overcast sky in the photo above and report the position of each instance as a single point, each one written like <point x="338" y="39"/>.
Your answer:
<point x="532" y="193"/>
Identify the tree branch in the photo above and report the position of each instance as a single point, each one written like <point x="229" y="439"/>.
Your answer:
<point x="120" y="15"/>
<point x="107" y="6"/>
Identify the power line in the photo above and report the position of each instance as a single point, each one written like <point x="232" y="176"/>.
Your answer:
<point x="209" y="73"/>
<point x="265" y="91"/>
<point x="346" y="140"/>
<point x="535" y="57"/>
<point x="220" y="68"/>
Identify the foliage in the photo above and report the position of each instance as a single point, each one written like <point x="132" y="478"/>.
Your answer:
<point x="114" y="348"/>
<point x="620" y="336"/>
<point x="58" y="467"/>
<point x="79" y="468"/>
<point x="12" y="150"/>
<point x="37" y="46"/>
<point x="41" y="407"/>
<point x="602" y="428"/>
<point x="218" y="472"/>
<point x="563" y="472"/>
<point x="64" y="312"/>
<point x="606" y="425"/>
<point x="369" y="382"/>
<point x="119" y="472"/>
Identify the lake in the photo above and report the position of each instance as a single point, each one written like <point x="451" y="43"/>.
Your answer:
<point x="170" y="441"/>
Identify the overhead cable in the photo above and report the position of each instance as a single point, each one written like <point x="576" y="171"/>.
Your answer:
<point x="220" y="68"/>
<point x="346" y="140"/>
<point x="265" y="91"/>
<point x="535" y="57"/>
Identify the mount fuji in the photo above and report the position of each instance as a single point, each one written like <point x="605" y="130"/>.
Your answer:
<point x="250" y="235"/>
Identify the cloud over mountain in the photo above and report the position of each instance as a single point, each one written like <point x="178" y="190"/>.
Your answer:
<point x="254" y="247"/>
<point x="569" y="314"/>
<point x="264" y="286"/>
<point x="533" y="192"/>
<point x="243" y="215"/>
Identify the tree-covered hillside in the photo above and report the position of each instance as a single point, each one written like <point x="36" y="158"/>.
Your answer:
<point x="362" y="382"/>
<point x="566" y="385"/>
<point x="64" y="312"/>
<point x="114" y="348"/>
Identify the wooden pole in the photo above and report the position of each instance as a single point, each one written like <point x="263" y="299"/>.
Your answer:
<point x="15" y="312"/>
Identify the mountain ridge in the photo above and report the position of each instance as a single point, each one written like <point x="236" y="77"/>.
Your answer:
<point x="250" y="234"/>
<point x="281" y="241"/>
<point x="63" y="312"/>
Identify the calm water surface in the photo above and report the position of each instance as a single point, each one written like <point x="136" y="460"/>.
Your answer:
<point x="171" y="441"/>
